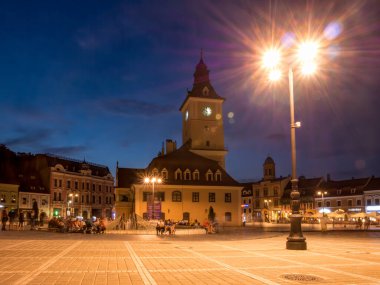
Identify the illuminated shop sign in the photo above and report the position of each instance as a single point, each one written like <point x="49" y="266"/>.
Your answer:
<point x="373" y="208"/>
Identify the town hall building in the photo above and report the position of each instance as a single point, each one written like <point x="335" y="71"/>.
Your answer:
<point x="189" y="180"/>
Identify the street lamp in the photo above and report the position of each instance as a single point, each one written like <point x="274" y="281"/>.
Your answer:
<point x="68" y="208"/>
<point x="322" y="193"/>
<point x="266" y="204"/>
<point x="152" y="181"/>
<point x="307" y="52"/>
<point x="71" y="195"/>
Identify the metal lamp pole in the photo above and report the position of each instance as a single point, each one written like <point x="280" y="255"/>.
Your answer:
<point x="295" y="240"/>
<point x="152" y="180"/>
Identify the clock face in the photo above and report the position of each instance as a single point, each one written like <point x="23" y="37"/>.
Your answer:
<point x="207" y="111"/>
<point x="187" y="115"/>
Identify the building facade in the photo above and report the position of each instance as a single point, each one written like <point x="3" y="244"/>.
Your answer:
<point x="79" y="188"/>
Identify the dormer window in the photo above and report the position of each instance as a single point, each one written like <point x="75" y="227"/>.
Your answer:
<point x="339" y="192"/>
<point x="178" y="174"/>
<point x="209" y="175"/>
<point x="164" y="173"/>
<point x="187" y="175"/>
<point x="353" y="190"/>
<point x="218" y="175"/>
<point x="196" y="174"/>
<point x="155" y="172"/>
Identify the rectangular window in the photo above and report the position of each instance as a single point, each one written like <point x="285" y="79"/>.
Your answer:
<point x="377" y="202"/>
<point x="257" y="204"/>
<point x="228" y="217"/>
<point x="257" y="193"/>
<point x="60" y="183"/>
<point x="100" y="187"/>
<point x="275" y="191"/>
<point x="55" y="196"/>
<point x="88" y="186"/>
<point x="195" y="197"/>
<point x="227" y="197"/>
<point x="349" y="203"/>
<point x="68" y="184"/>
<point x="211" y="197"/>
<point x="146" y="196"/>
<point x="82" y="185"/>
<point x="369" y="202"/>
<point x="339" y="203"/>
<point x="93" y="187"/>
<point x="82" y="199"/>
<point x="55" y="183"/>
<point x="59" y="197"/>
<point x="358" y="202"/>
<point x="319" y="204"/>
<point x="160" y="196"/>
<point x="93" y="199"/>
<point x="265" y="192"/>
<point x="87" y="199"/>
<point x="275" y="202"/>
<point x="76" y="185"/>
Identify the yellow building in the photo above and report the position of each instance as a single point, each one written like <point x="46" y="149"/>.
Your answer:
<point x="9" y="196"/>
<point x="193" y="176"/>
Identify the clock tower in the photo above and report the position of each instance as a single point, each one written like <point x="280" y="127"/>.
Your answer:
<point x="202" y="117"/>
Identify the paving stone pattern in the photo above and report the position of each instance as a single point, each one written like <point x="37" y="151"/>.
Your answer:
<point x="234" y="258"/>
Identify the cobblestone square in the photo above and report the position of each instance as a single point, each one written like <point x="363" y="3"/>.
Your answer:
<point x="243" y="257"/>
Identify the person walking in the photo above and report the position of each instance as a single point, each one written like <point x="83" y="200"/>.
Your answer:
<point x="4" y="219"/>
<point x="21" y="220"/>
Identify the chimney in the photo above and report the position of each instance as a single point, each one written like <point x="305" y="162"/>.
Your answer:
<point x="170" y="146"/>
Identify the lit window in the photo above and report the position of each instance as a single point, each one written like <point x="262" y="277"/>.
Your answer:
<point x="176" y="196"/>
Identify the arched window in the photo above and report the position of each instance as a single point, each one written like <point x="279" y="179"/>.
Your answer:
<point x="164" y="173"/>
<point x="209" y="176"/>
<point x="187" y="175"/>
<point x="218" y="175"/>
<point x="178" y="174"/>
<point x="196" y="174"/>
<point x="176" y="196"/>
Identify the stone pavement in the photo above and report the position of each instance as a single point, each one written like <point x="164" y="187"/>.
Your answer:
<point x="239" y="256"/>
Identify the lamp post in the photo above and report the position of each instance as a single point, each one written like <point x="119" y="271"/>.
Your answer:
<point x="306" y="56"/>
<point x="322" y="193"/>
<point x="68" y="213"/>
<point x="72" y="200"/>
<point x="268" y="208"/>
<point x="152" y="181"/>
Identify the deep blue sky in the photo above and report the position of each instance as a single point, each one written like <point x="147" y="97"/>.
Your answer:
<point x="104" y="80"/>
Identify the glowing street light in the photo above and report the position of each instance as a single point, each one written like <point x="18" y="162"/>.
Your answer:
<point x="322" y="193"/>
<point x="306" y="58"/>
<point x="152" y="181"/>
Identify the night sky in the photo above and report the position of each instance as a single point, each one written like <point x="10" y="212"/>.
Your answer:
<point x="104" y="80"/>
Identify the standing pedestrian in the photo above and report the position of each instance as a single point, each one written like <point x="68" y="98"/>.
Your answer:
<point x="21" y="220"/>
<point x="4" y="219"/>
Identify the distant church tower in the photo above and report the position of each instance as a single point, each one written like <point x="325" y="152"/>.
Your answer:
<point x="202" y="117"/>
<point x="269" y="169"/>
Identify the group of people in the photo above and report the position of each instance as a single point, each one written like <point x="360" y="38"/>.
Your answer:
<point x="366" y="223"/>
<point x="10" y="217"/>
<point x="164" y="227"/>
<point x="76" y="225"/>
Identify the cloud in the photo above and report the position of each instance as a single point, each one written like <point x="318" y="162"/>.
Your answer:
<point x="66" y="150"/>
<point x="30" y="138"/>
<point x="135" y="107"/>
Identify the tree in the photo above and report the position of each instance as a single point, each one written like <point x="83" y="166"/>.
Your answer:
<point x="211" y="214"/>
